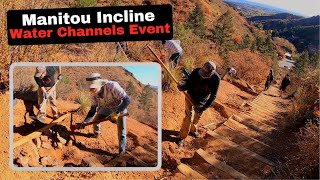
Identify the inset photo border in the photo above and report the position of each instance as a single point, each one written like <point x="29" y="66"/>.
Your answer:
<point x="85" y="116"/>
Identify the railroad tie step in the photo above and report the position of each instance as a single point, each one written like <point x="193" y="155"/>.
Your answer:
<point x="220" y="165"/>
<point x="253" y="116"/>
<point x="240" y="148"/>
<point x="247" y="131"/>
<point x="258" y="123"/>
<point x="262" y="109"/>
<point x="250" y="138"/>
<point x="189" y="172"/>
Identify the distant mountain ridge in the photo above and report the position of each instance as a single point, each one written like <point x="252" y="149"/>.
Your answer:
<point x="279" y="16"/>
<point x="264" y="8"/>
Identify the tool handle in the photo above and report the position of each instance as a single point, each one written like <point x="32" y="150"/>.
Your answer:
<point x="171" y="75"/>
<point x="100" y="120"/>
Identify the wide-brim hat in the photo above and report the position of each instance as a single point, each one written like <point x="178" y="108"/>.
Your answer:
<point x="94" y="81"/>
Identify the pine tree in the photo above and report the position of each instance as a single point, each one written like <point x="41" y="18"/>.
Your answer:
<point x="130" y="89"/>
<point x="301" y="63"/>
<point x="246" y="42"/>
<point x="196" y="20"/>
<point x="145" y="98"/>
<point x="223" y="31"/>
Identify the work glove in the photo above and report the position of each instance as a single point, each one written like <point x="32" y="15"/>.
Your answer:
<point x="114" y="117"/>
<point x="182" y="87"/>
<point x="199" y="109"/>
<point x="59" y="76"/>
<point x="46" y="95"/>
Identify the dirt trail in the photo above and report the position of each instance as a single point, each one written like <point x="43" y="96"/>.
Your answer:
<point x="239" y="143"/>
<point x="241" y="146"/>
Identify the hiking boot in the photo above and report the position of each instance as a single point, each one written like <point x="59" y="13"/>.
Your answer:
<point x="180" y="142"/>
<point x="56" y="116"/>
<point x="121" y="153"/>
<point x="42" y="119"/>
<point x="33" y="117"/>
<point x="195" y="134"/>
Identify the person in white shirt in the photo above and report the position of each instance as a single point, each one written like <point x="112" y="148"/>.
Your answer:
<point x="174" y="50"/>
<point x="231" y="71"/>
<point x="108" y="99"/>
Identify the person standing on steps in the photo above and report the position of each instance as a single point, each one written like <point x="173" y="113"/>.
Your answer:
<point x="108" y="99"/>
<point x="269" y="80"/>
<point x="44" y="77"/>
<point x="231" y="71"/>
<point x="174" y="50"/>
<point x="202" y="86"/>
<point x="284" y="84"/>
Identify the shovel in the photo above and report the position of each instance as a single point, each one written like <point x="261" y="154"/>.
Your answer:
<point x="76" y="126"/>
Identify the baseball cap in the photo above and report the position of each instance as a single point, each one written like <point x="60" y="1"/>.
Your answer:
<point x="40" y="70"/>
<point x="95" y="80"/>
<point x="208" y="69"/>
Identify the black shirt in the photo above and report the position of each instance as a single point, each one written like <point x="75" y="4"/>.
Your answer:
<point x="200" y="89"/>
<point x="48" y="80"/>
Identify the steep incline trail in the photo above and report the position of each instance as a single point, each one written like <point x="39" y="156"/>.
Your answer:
<point x="242" y="146"/>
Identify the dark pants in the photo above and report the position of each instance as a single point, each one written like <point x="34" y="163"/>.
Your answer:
<point x="174" y="59"/>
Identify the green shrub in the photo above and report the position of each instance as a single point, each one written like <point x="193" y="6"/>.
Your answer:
<point x="84" y="101"/>
<point x="188" y="63"/>
<point x="167" y="82"/>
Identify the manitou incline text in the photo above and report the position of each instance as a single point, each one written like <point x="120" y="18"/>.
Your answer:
<point x="66" y="19"/>
<point x="128" y="16"/>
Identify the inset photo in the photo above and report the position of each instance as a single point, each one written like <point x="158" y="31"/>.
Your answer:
<point x="85" y="116"/>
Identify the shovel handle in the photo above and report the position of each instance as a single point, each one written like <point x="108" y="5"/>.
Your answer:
<point x="171" y="75"/>
<point x="99" y="121"/>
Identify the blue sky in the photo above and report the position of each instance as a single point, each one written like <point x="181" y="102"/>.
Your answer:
<point x="305" y="7"/>
<point x="146" y="74"/>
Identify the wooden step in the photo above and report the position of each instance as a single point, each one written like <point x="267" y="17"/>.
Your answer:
<point x="92" y="162"/>
<point x="255" y="125"/>
<point x="189" y="172"/>
<point x="270" y="123"/>
<point x="247" y="131"/>
<point x="242" y="149"/>
<point x="248" y="142"/>
<point x="37" y="133"/>
<point x="220" y="165"/>
<point x="263" y="110"/>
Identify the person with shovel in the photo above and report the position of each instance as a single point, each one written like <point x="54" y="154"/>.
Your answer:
<point x="202" y="86"/>
<point x="108" y="100"/>
<point x="45" y="79"/>
<point x="174" y="50"/>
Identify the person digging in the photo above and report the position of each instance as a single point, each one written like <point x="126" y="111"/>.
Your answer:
<point x="108" y="100"/>
<point x="45" y="79"/>
<point x="231" y="72"/>
<point x="202" y="86"/>
<point x="174" y="50"/>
